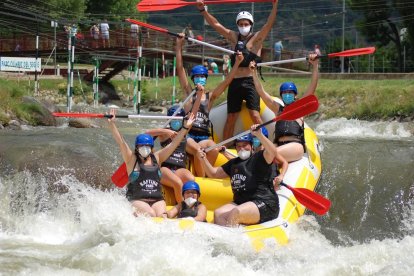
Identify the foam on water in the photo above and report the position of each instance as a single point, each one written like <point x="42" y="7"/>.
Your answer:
<point x="363" y="129"/>
<point x="84" y="231"/>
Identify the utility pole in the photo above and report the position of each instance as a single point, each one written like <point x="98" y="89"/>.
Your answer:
<point x="302" y="36"/>
<point x="343" y="35"/>
<point x="71" y="60"/>
<point x="54" y="25"/>
<point x="36" y="92"/>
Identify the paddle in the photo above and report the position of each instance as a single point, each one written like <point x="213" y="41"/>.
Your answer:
<point x="297" y="109"/>
<point x="162" y="30"/>
<point x="120" y="176"/>
<point x="310" y="199"/>
<point x="157" y="5"/>
<point x="347" y="53"/>
<point x="99" y="115"/>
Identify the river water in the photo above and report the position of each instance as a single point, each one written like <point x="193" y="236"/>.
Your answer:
<point x="57" y="214"/>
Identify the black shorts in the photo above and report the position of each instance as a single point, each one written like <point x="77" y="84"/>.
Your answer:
<point x="242" y="89"/>
<point x="268" y="209"/>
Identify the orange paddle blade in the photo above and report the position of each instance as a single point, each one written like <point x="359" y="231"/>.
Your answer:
<point x="120" y="176"/>
<point x="310" y="199"/>
<point x="165" y="5"/>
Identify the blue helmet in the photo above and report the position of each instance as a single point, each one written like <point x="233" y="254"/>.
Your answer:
<point x="191" y="185"/>
<point x="199" y="70"/>
<point x="288" y="86"/>
<point x="245" y="138"/>
<point x="144" y="140"/>
<point x="174" y="108"/>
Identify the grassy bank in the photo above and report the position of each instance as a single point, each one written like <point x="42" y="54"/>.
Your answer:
<point x="361" y="99"/>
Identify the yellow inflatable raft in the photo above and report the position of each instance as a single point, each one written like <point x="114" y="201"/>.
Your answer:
<point x="304" y="173"/>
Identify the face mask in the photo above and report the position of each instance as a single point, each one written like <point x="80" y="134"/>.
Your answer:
<point x="256" y="142"/>
<point x="176" y="125"/>
<point x="144" y="151"/>
<point x="200" y="80"/>
<point x="244" y="30"/>
<point x="190" y="201"/>
<point x="244" y="154"/>
<point x="288" y="98"/>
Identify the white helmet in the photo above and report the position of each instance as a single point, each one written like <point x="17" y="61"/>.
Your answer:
<point x="244" y="15"/>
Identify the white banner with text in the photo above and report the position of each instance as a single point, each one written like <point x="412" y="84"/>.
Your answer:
<point x="20" y="64"/>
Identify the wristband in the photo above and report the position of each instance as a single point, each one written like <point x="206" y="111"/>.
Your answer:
<point x="186" y="128"/>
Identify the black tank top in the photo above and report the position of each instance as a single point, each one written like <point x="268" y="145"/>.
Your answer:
<point x="178" y="159"/>
<point x="248" y="56"/>
<point x="147" y="185"/>
<point x="288" y="128"/>
<point x="202" y="121"/>
<point x="188" y="212"/>
<point x="251" y="178"/>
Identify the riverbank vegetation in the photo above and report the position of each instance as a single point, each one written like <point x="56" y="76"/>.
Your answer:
<point x="391" y="99"/>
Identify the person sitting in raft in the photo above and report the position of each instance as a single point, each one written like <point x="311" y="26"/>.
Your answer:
<point x="289" y="135"/>
<point x="190" y="207"/>
<point x="279" y="160"/>
<point x="144" y="188"/>
<point x="254" y="197"/>
<point x="200" y="133"/>
<point x="174" y="171"/>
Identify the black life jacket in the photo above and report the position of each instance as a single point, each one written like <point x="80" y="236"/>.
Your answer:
<point x="202" y="122"/>
<point x="147" y="185"/>
<point x="187" y="211"/>
<point x="178" y="159"/>
<point x="289" y="128"/>
<point x="248" y="56"/>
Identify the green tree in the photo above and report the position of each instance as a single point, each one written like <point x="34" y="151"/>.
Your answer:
<point x="114" y="9"/>
<point x="382" y="22"/>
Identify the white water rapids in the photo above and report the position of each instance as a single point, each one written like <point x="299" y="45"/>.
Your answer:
<point x="86" y="231"/>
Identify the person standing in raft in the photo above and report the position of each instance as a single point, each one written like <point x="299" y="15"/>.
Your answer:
<point x="289" y="135"/>
<point x="200" y="133"/>
<point x="254" y="197"/>
<point x="190" y="207"/>
<point x="250" y="44"/>
<point x="144" y="188"/>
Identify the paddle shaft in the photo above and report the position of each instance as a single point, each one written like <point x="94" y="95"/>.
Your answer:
<point x="237" y="136"/>
<point x="132" y="116"/>
<point x="346" y="53"/>
<point x="162" y="30"/>
<point x="180" y="107"/>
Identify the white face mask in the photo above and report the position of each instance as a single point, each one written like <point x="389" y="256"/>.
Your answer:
<point x="190" y="201"/>
<point x="244" y="154"/>
<point x="144" y="151"/>
<point x="244" y="30"/>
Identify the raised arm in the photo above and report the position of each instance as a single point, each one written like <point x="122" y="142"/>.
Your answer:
<point x="164" y="153"/>
<point x="268" y="100"/>
<point x="126" y="152"/>
<point x="182" y="75"/>
<point x="270" y="150"/>
<point x="213" y="22"/>
<point x="315" y="75"/>
<point x="226" y="82"/>
<point x="162" y="133"/>
<point x="264" y="31"/>
<point x="213" y="172"/>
